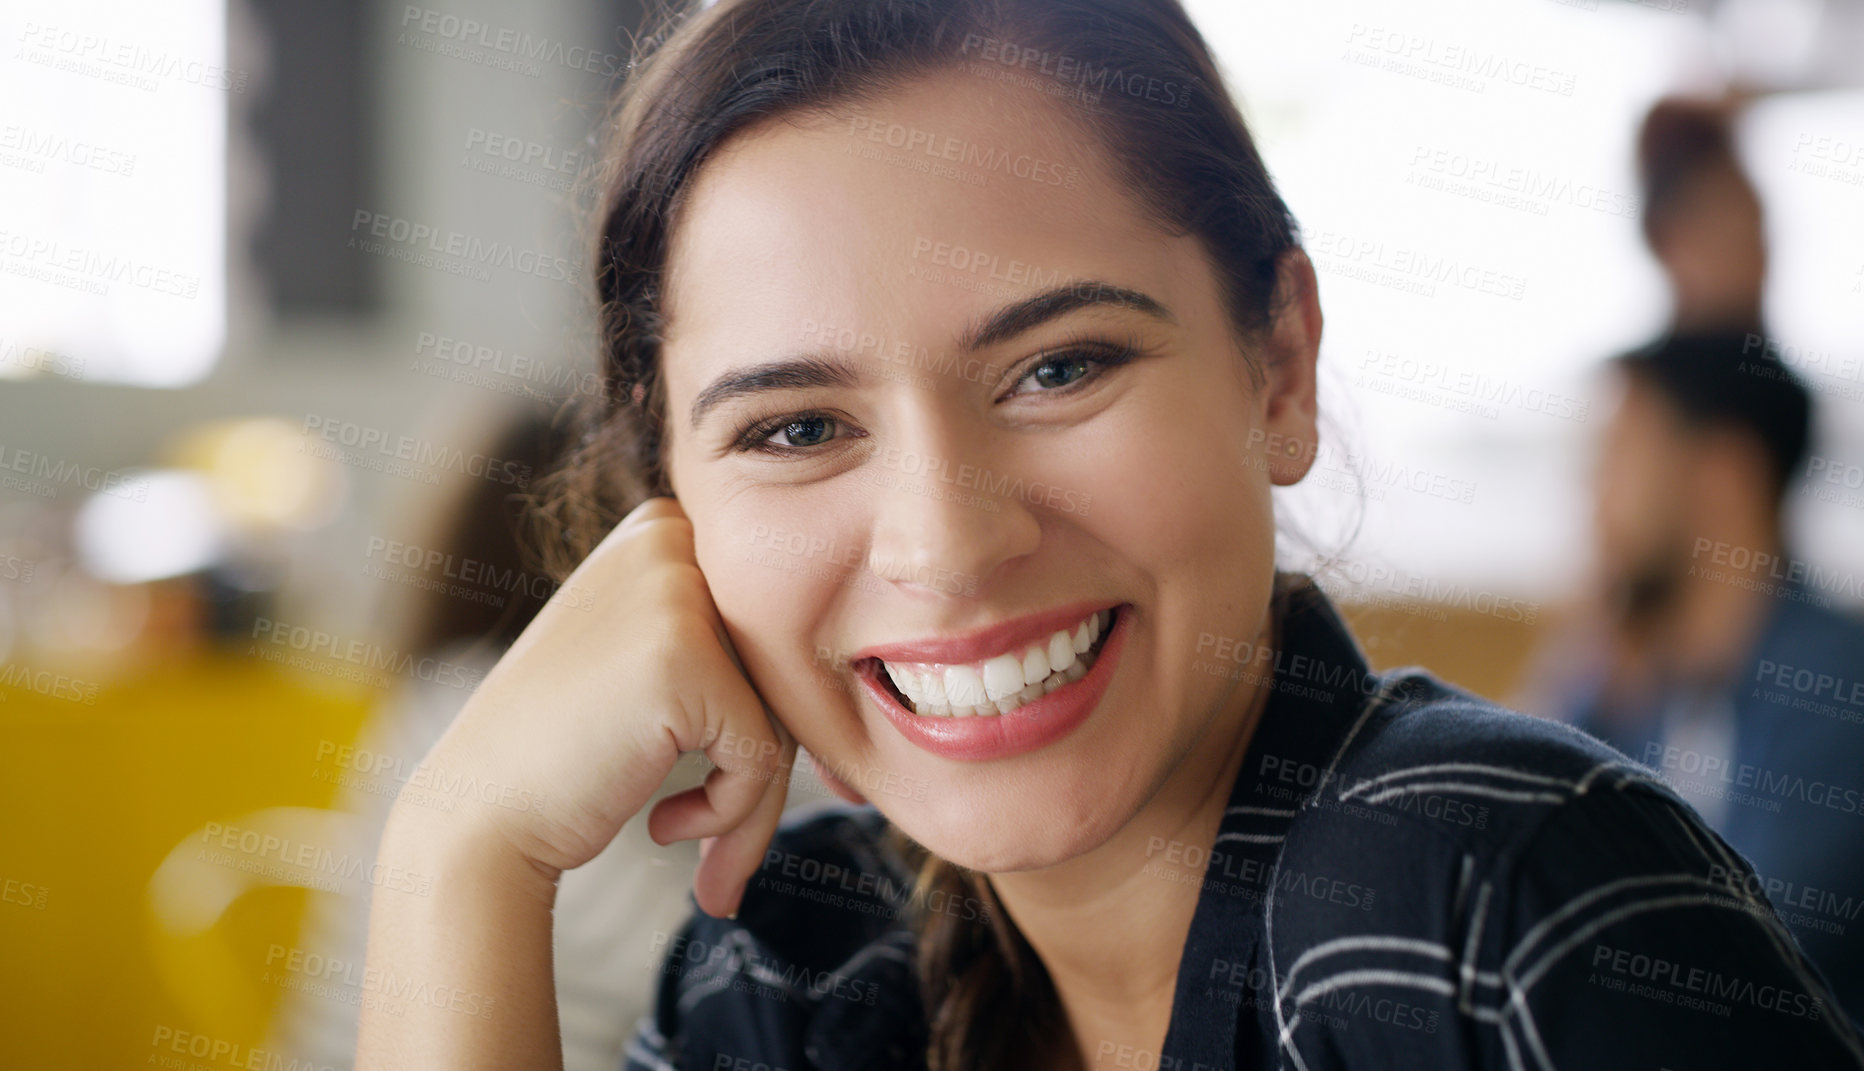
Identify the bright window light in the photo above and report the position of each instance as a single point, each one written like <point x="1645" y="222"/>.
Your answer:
<point x="113" y="189"/>
<point x="1464" y="176"/>
<point x="162" y="524"/>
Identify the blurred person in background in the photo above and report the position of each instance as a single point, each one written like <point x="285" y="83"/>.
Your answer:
<point x="485" y="590"/>
<point x="1706" y="653"/>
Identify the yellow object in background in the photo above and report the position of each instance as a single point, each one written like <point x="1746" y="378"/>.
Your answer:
<point x="151" y="889"/>
<point x="194" y="763"/>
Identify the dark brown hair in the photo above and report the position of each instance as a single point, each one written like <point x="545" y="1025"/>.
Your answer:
<point x="1680" y="142"/>
<point x="487" y="526"/>
<point x="1140" y="80"/>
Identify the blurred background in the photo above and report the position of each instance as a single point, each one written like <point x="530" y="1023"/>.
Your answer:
<point x="289" y="292"/>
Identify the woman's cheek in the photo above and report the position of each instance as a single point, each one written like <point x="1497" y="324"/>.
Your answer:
<point x="773" y="585"/>
<point x="1153" y="486"/>
<point x="750" y="557"/>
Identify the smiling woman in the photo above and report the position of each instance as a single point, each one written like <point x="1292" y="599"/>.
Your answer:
<point x="1137" y="798"/>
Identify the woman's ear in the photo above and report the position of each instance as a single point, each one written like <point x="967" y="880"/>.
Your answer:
<point x="1288" y="404"/>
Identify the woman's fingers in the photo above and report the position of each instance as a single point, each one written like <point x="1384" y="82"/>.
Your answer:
<point x="733" y="841"/>
<point x="647" y="510"/>
<point x="751" y="753"/>
<point x="741" y="802"/>
<point x="736" y="854"/>
<point x="718" y="805"/>
<point x="597" y="698"/>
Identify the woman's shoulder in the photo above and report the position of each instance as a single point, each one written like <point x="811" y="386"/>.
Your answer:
<point x="1420" y="735"/>
<point x="1429" y="762"/>
<point x="1411" y="753"/>
<point x="1424" y="790"/>
<point x="819" y="957"/>
<point x="1528" y="880"/>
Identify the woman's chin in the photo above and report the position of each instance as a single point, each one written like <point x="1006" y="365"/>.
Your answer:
<point x="995" y="843"/>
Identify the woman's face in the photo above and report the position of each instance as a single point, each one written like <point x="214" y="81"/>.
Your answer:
<point x="1102" y="447"/>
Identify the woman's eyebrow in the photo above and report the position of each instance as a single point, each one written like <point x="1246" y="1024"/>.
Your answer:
<point x="1012" y="320"/>
<point x="819" y="370"/>
<point x="787" y="373"/>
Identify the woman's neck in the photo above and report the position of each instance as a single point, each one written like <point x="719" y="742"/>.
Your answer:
<point x="1110" y="925"/>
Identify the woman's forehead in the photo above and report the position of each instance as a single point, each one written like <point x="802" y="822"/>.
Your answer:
<point x="903" y="215"/>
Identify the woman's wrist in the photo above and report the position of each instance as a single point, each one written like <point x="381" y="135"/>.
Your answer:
<point x="458" y="846"/>
<point x="468" y="946"/>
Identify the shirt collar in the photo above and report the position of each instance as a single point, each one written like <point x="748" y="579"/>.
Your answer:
<point x="1319" y="683"/>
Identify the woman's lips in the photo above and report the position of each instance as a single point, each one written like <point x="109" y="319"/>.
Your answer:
<point x="1033" y="725"/>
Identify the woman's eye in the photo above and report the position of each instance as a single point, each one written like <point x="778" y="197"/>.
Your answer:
<point x="1060" y="371"/>
<point x="809" y="431"/>
<point x="786" y="435"/>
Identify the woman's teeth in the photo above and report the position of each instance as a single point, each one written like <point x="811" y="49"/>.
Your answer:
<point x="1001" y="684"/>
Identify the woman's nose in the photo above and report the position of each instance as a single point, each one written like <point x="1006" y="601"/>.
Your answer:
<point x="945" y="523"/>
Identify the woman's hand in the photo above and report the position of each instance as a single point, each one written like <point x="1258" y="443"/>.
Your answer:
<point x="625" y="668"/>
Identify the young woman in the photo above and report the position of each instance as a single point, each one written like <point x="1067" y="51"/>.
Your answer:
<point x="954" y="348"/>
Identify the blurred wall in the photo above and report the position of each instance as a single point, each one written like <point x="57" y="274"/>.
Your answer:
<point x="120" y="794"/>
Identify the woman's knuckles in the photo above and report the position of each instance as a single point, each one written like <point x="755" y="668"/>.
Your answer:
<point x="591" y="710"/>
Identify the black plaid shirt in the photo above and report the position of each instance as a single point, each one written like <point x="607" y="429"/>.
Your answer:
<point x="1407" y="877"/>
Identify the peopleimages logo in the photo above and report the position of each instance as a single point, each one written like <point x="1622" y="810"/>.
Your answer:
<point x="1420" y="269"/>
<point x="510" y="42"/>
<point x="49" y="684"/>
<point x="1089" y="79"/>
<point x="79" y="49"/>
<point x="1469" y="390"/>
<point x="376" y="982"/>
<point x="1510" y="186"/>
<point x="436" y="779"/>
<point x="221" y="1053"/>
<point x="1282" y="666"/>
<point x="1801" y="359"/>
<point x="277" y="856"/>
<point x="956" y="150"/>
<point x="367" y="662"/>
<point x="41" y="473"/>
<point x="1476" y="67"/>
<point x="1710" y="767"/>
<point x="1680" y="978"/>
<point x="974" y="262"/>
<point x="492" y="368"/>
<point x="428" y="239"/>
<point x="478" y="580"/>
<point x="721" y="960"/>
<point x="1811" y="682"/>
<point x="418" y="452"/>
<point x="38" y="146"/>
<point x="94" y="270"/>
<point x="995" y="485"/>
<point x="1736" y="559"/>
